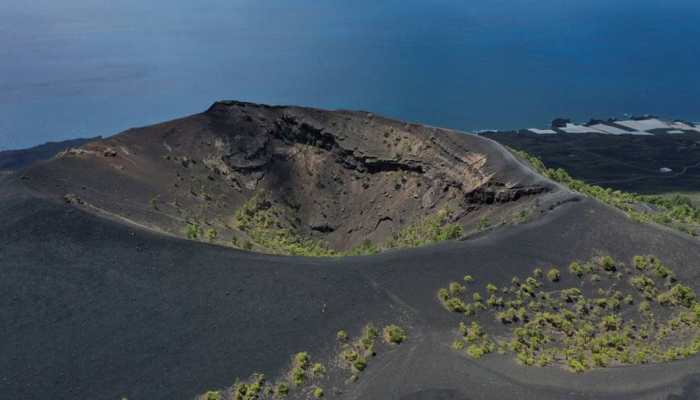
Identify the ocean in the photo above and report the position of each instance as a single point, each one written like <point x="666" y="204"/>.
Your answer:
<point x="78" y="68"/>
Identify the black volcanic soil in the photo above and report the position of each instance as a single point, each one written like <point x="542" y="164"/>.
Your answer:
<point x="91" y="307"/>
<point x="624" y="162"/>
<point x="346" y="176"/>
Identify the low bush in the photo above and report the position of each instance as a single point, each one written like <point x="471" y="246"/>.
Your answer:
<point x="553" y="275"/>
<point x="607" y="263"/>
<point x="212" y="395"/>
<point x="192" y="231"/>
<point x="431" y="229"/>
<point x="359" y="365"/>
<point x="282" y="389"/>
<point x="394" y="334"/>
<point x="318" y="370"/>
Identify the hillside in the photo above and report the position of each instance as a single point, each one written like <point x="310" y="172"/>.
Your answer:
<point x="103" y="295"/>
<point x="649" y="164"/>
<point x="293" y="180"/>
<point x="14" y="160"/>
<point x="118" y="311"/>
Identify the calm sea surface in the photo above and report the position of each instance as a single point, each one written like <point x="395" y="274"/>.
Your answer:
<point x="73" y="68"/>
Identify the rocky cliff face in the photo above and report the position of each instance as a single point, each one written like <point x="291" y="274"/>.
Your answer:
<point x="337" y="176"/>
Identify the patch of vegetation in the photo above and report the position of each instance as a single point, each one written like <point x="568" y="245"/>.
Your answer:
<point x="431" y="229"/>
<point x="211" y="234"/>
<point x="271" y="229"/>
<point x="250" y="390"/>
<point x="300" y="365"/>
<point x="394" y="334"/>
<point x="301" y="374"/>
<point x="678" y="212"/>
<point x="212" y="395"/>
<point x="192" y="231"/>
<point x="365" y="248"/>
<point x="646" y="316"/>
<point x="355" y="355"/>
<point x="553" y="275"/>
<point x="484" y="224"/>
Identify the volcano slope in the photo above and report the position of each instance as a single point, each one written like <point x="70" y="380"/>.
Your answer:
<point x="13" y="160"/>
<point x="303" y="181"/>
<point x="630" y="163"/>
<point x="96" y="307"/>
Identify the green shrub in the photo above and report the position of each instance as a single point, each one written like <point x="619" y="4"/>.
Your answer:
<point x="360" y="364"/>
<point x="607" y="263"/>
<point x="468" y="279"/>
<point x="483" y="224"/>
<point x="298" y="376"/>
<point x="370" y="331"/>
<point x="571" y="295"/>
<point x="211" y="234"/>
<point x="318" y="370"/>
<point x="342" y="335"/>
<point x="318" y="392"/>
<point x="455" y="288"/>
<point x="577" y="366"/>
<point x="301" y="359"/>
<point x="640" y="262"/>
<point x="431" y="229"/>
<point x="282" y="389"/>
<point x="394" y="334"/>
<point x="456" y="305"/>
<point x="365" y="248"/>
<point x="491" y="288"/>
<point x="212" y="395"/>
<point x="192" y="231"/>
<point x="475" y="351"/>
<point x="349" y="355"/>
<point x="576" y="269"/>
<point x="553" y="275"/>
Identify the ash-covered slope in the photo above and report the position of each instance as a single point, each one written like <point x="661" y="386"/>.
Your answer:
<point x="14" y="160"/>
<point x="339" y="177"/>
<point x="95" y="308"/>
